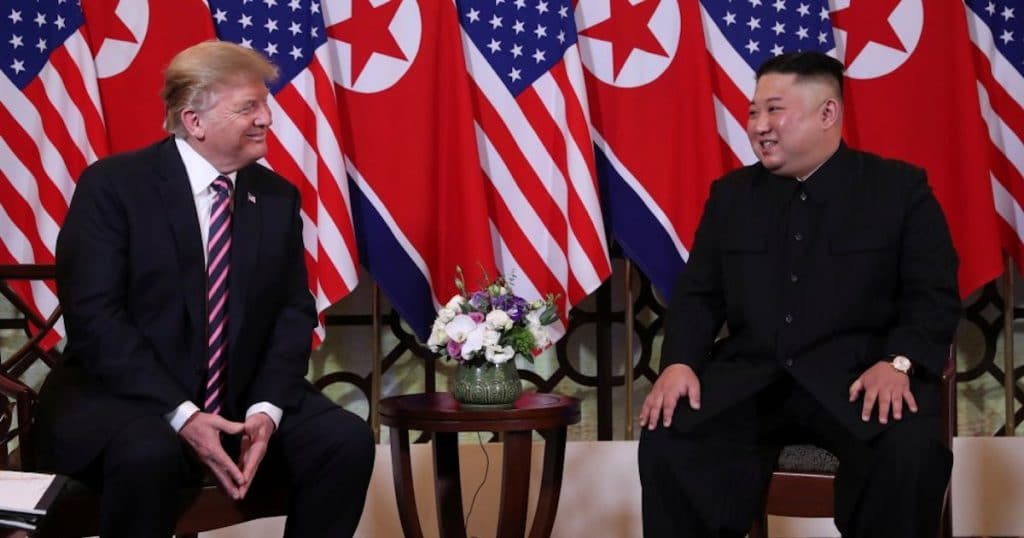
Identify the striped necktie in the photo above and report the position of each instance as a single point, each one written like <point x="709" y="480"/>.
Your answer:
<point x="218" y="270"/>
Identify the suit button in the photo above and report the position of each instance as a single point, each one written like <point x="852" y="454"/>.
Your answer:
<point x="803" y="196"/>
<point x="793" y="278"/>
<point x="789" y="361"/>
<point x="798" y="236"/>
<point x="788" y="319"/>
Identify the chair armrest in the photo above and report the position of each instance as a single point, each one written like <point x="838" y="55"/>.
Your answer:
<point x="17" y="398"/>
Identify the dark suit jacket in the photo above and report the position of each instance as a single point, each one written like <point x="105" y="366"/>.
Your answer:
<point x="131" y="279"/>
<point x="879" y="279"/>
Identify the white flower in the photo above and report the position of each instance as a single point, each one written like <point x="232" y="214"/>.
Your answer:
<point x="474" y="341"/>
<point x="491" y="337"/>
<point x="499" y="320"/>
<point x="499" y="354"/>
<point x="446" y="314"/>
<point x="533" y="317"/>
<point x="541" y="338"/>
<point x="438" y="338"/>
<point x="455" y="303"/>
<point x="459" y="327"/>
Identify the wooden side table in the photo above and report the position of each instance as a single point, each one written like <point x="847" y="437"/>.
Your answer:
<point x="440" y="414"/>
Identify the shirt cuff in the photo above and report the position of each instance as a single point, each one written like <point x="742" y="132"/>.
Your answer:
<point x="271" y="410"/>
<point x="181" y="414"/>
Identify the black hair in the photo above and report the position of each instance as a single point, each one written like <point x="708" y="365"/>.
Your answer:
<point x="806" y="64"/>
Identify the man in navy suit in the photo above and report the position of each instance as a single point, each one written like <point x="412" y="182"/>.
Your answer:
<point x="835" y="275"/>
<point x="181" y="271"/>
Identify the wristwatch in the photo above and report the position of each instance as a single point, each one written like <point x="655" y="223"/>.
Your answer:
<point x="902" y="364"/>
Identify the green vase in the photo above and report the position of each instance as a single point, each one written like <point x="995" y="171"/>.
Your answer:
<point x="483" y="385"/>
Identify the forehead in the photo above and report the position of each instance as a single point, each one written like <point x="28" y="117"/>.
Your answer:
<point x="238" y="89"/>
<point x="773" y="86"/>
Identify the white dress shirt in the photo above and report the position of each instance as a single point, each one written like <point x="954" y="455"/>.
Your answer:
<point x="201" y="175"/>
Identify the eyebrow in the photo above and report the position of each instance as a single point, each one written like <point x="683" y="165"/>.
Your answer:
<point x="770" y="99"/>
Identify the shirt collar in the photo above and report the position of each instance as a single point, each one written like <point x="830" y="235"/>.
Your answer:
<point x="200" y="172"/>
<point x="825" y="180"/>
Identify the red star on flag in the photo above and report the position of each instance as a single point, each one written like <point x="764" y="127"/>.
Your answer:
<point x="867" y="21"/>
<point x="627" y="30"/>
<point x="107" y="26"/>
<point x="367" y="32"/>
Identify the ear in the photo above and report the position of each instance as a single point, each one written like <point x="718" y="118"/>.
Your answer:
<point x="830" y="112"/>
<point x="193" y="123"/>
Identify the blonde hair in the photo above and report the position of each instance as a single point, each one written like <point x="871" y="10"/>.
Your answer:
<point x="193" y="73"/>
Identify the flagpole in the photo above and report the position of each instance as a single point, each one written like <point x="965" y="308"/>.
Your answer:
<point x="627" y="371"/>
<point x="375" y="372"/>
<point x="1009" y="383"/>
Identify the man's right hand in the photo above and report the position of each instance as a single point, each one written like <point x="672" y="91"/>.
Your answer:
<point x="202" y="432"/>
<point x="675" y="381"/>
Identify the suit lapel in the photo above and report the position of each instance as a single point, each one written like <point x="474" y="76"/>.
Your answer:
<point x="181" y="212"/>
<point x="245" y="224"/>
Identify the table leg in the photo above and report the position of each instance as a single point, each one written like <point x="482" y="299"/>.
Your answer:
<point x="448" y="485"/>
<point x="515" y="484"/>
<point x="405" y="495"/>
<point x="550" y="483"/>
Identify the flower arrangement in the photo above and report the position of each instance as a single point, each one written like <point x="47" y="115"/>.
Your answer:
<point x="491" y="324"/>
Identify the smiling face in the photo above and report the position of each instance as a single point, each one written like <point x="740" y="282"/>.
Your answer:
<point x="230" y="131"/>
<point x="793" y="124"/>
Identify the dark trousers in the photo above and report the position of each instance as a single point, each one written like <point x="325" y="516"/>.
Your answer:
<point x="711" y="481"/>
<point x="325" y="458"/>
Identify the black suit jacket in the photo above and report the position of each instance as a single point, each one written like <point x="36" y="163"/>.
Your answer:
<point x="131" y="279"/>
<point x="878" y="279"/>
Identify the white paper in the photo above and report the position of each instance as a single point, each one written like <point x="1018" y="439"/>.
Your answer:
<point x="20" y="492"/>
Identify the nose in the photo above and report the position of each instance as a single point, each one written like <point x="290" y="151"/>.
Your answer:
<point x="263" y="117"/>
<point x="760" y="124"/>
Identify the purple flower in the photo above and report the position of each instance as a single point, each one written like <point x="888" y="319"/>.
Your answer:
<point x="479" y="300"/>
<point x="518" y="309"/>
<point x="478" y="317"/>
<point x="455" y="350"/>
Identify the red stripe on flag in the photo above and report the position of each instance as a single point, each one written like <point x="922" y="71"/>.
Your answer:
<point x="74" y="84"/>
<point x="26" y="151"/>
<point x="20" y="211"/>
<point x="55" y="127"/>
<point x="530" y="184"/>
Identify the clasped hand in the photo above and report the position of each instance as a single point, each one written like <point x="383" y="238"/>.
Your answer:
<point x="884" y="385"/>
<point x="203" y="433"/>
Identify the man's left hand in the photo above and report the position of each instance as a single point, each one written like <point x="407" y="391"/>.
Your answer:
<point x="888" y="387"/>
<point x="255" y="436"/>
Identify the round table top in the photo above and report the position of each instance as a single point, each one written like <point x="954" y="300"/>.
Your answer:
<point x="438" y="411"/>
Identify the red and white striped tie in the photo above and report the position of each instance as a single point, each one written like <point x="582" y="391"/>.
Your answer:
<point x="218" y="270"/>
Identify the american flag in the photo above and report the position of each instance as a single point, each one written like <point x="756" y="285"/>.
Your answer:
<point x="740" y="36"/>
<point x="303" y="142"/>
<point x="52" y="128"/>
<point x="531" y="115"/>
<point x="997" y="31"/>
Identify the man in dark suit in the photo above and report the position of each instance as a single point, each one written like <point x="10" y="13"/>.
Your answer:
<point x="835" y="276"/>
<point x="181" y="271"/>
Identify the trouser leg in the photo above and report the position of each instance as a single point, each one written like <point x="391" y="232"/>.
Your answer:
<point x="139" y="475"/>
<point x="892" y="485"/>
<point x="326" y="458"/>
<point x="706" y="483"/>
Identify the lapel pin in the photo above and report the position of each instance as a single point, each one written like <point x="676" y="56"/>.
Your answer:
<point x="251" y="197"/>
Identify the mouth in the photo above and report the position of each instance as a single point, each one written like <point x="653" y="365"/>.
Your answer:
<point x="257" y="137"/>
<point x="767" y="145"/>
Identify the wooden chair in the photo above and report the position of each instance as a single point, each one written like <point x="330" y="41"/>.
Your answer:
<point x="801" y="486"/>
<point x="76" y="512"/>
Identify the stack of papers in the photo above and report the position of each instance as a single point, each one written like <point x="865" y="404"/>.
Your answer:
<point x="25" y="497"/>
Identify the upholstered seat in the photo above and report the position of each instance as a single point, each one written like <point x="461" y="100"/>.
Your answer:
<point x="801" y="485"/>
